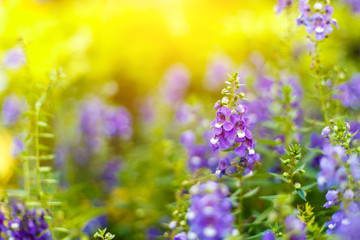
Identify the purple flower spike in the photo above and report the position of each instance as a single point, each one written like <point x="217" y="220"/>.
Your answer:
<point x="209" y="215"/>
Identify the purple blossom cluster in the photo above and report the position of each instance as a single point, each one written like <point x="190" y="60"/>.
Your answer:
<point x="209" y="215"/>
<point x="97" y="120"/>
<point x="332" y="171"/>
<point x="12" y="109"/>
<point x="24" y="224"/>
<point x="349" y="93"/>
<point x="337" y="172"/>
<point x="200" y="156"/>
<point x="316" y="20"/>
<point x="231" y="130"/>
<point x="259" y="108"/>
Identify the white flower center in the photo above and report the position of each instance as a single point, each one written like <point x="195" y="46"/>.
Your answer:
<point x="319" y="29"/>
<point x="190" y="215"/>
<point x="210" y="232"/>
<point x="251" y="151"/>
<point x="214" y="140"/>
<point x="196" y="160"/>
<point x="208" y="210"/>
<point x="241" y="134"/>
<point x="345" y="221"/>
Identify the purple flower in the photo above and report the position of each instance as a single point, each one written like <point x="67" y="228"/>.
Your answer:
<point x="331" y="197"/>
<point x="110" y="173"/>
<point x="349" y="194"/>
<point x="221" y="127"/>
<point x="187" y="138"/>
<point x="349" y="229"/>
<point x="355" y="5"/>
<point x="185" y="114"/>
<point x="25" y="224"/>
<point x="180" y="236"/>
<point x="349" y="92"/>
<point x="91" y="120"/>
<point x="2" y="223"/>
<point x="200" y="156"/>
<point x="209" y="215"/>
<point x="17" y="147"/>
<point x="268" y="235"/>
<point x="153" y="233"/>
<point x="93" y="224"/>
<point x="13" y="107"/>
<point x="117" y="122"/>
<point x="216" y="72"/>
<point x="281" y="4"/>
<point x="14" y="58"/>
<point x="176" y="81"/>
<point x="326" y="132"/>
<point x="320" y="23"/>
<point x="295" y="227"/>
<point x="331" y="173"/>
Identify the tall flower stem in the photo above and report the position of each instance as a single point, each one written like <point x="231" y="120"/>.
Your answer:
<point x="317" y="68"/>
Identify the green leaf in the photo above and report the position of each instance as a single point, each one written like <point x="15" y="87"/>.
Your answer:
<point x="299" y="168"/>
<point x="269" y="198"/>
<point x="279" y="176"/>
<point x="47" y="157"/>
<point x="46" y="135"/>
<point x="251" y="192"/>
<point x="301" y="193"/>
<point x="309" y="186"/>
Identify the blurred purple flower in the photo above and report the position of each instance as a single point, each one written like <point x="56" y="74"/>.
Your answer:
<point x="17" y="147"/>
<point x="349" y="92"/>
<point x="355" y="5"/>
<point x="200" y="156"/>
<point x="295" y="227"/>
<point x="180" y="236"/>
<point x="14" y="58"/>
<point x="331" y="173"/>
<point x="12" y="108"/>
<point x="153" y="233"/>
<point x="216" y="72"/>
<point x="209" y="215"/>
<point x="282" y="4"/>
<point x="94" y="224"/>
<point x="110" y="174"/>
<point x="185" y="114"/>
<point x="176" y="81"/>
<point x="91" y="121"/>
<point x="117" y="122"/>
<point x="268" y="235"/>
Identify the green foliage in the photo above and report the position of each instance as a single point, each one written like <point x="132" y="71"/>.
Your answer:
<point x="102" y="234"/>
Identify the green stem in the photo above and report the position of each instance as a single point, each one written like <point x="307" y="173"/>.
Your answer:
<point x="27" y="177"/>
<point x="319" y="78"/>
<point x="37" y="153"/>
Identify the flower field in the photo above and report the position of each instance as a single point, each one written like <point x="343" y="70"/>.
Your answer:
<point x="179" y="119"/>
